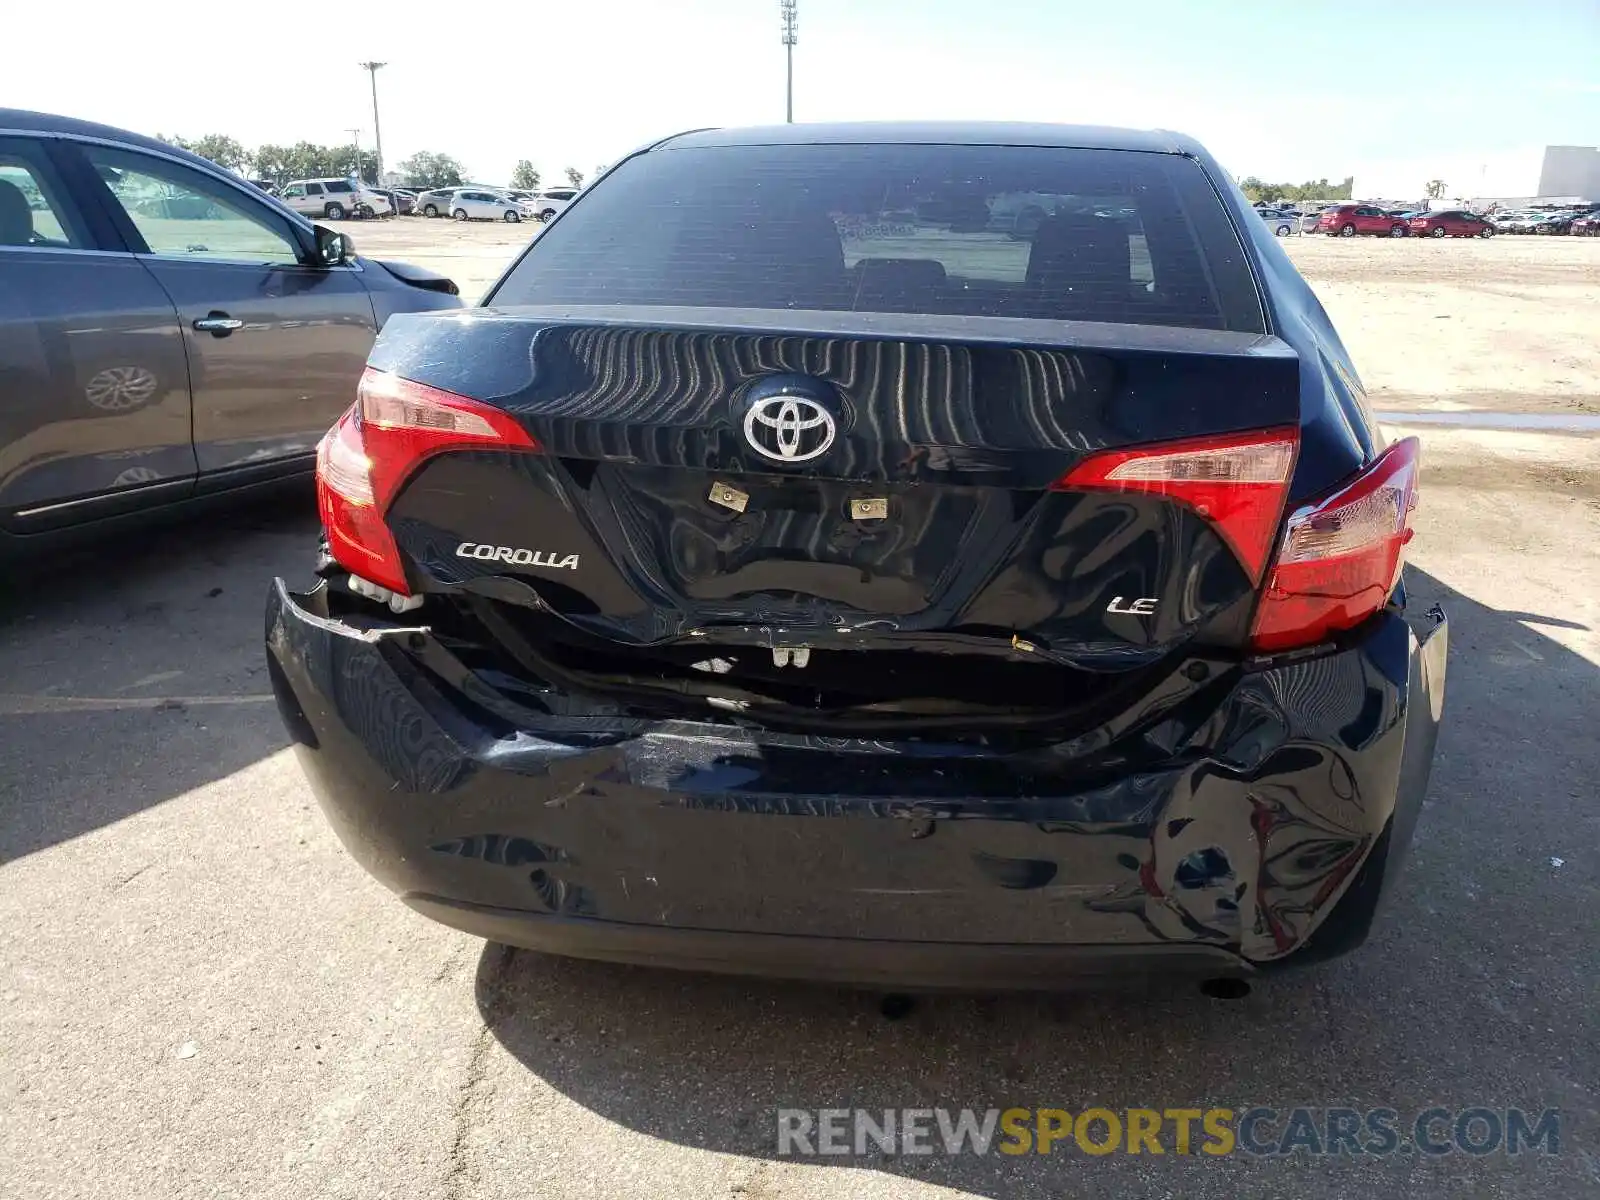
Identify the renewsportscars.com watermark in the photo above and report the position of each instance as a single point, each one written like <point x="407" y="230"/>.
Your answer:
<point x="1257" y="1131"/>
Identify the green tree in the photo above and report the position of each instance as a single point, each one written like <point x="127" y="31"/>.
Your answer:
<point x="221" y="149"/>
<point x="1311" y="190"/>
<point x="307" y="160"/>
<point x="224" y="151"/>
<point x="574" y="177"/>
<point x="1434" y="189"/>
<point x="427" y="169"/>
<point x="526" y="177"/>
<point x="273" y="162"/>
<point x="349" y="159"/>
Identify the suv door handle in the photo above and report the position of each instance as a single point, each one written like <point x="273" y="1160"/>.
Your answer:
<point x="217" y="324"/>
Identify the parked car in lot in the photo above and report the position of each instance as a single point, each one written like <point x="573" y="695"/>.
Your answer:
<point x="1310" y="221"/>
<point x="168" y="332"/>
<point x="1347" y="220"/>
<point x="477" y="204"/>
<point x="400" y="203"/>
<point x="334" y="199"/>
<point x="1586" y="226"/>
<point x="1557" y="223"/>
<point x="549" y="203"/>
<point x="759" y="640"/>
<point x="435" y="203"/>
<point x="1454" y="222"/>
<point x="1280" y="222"/>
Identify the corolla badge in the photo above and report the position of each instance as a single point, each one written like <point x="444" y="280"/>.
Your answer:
<point x="789" y="428"/>
<point x="484" y="552"/>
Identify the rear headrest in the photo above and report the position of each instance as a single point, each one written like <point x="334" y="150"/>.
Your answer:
<point x="1079" y="253"/>
<point x="793" y="260"/>
<point x="895" y="284"/>
<point x="16" y="218"/>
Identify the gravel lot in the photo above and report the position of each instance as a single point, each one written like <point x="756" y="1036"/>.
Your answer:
<point x="201" y="995"/>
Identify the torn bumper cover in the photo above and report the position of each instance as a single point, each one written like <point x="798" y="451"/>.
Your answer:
<point x="1259" y="830"/>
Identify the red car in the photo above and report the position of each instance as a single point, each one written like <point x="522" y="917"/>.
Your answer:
<point x="1454" y="223"/>
<point x="1350" y="219"/>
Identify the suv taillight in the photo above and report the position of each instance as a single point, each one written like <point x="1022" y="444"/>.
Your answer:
<point x="1340" y="556"/>
<point x="364" y="460"/>
<point x="1238" y="482"/>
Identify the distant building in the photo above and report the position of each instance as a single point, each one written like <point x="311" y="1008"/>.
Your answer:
<point x="1570" y="171"/>
<point x="1531" y="171"/>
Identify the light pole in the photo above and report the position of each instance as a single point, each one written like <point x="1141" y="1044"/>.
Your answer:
<point x="377" y="131"/>
<point x="789" y="37"/>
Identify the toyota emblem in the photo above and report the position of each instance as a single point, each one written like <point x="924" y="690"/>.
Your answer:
<point x="789" y="428"/>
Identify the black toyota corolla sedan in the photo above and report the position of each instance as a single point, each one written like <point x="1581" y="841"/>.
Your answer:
<point x="914" y="555"/>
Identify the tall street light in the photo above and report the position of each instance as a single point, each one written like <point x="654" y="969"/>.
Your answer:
<point x="377" y="132"/>
<point x="789" y="18"/>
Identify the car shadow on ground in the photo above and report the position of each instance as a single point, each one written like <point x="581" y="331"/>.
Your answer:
<point x="131" y="669"/>
<point x="1457" y="1000"/>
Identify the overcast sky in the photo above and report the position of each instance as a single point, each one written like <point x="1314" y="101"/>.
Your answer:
<point x="1384" y="89"/>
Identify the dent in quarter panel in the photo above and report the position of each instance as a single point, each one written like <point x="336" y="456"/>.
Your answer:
<point x="94" y="387"/>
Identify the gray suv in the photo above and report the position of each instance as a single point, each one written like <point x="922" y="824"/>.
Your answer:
<point x="435" y="203"/>
<point x="167" y="331"/>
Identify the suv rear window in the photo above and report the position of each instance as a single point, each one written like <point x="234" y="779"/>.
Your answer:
<point x="1007" y="231"/>
<point x="340" y="186"/>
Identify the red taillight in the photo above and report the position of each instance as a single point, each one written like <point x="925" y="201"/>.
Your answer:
<point x="1340" y="556"/>
<point x="1237" y="482"/>
<point x="374" y="448"/>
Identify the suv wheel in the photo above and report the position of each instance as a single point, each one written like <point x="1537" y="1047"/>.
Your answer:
<point x="547" y="214"/>
<point x="1347" y="230"/>
<point x="333" y="210"/>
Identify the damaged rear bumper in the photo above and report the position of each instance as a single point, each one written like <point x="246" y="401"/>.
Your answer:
<point x="1255" y="825"/>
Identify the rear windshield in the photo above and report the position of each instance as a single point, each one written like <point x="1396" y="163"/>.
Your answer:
<point x="1006" y="231"/>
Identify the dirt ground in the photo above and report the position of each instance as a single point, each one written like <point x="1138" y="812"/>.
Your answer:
<point x="1508" y="323"/>
<point x="201" y="995"/>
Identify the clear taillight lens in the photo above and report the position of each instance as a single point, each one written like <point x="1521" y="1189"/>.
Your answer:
<point x="1340" y="557"/>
